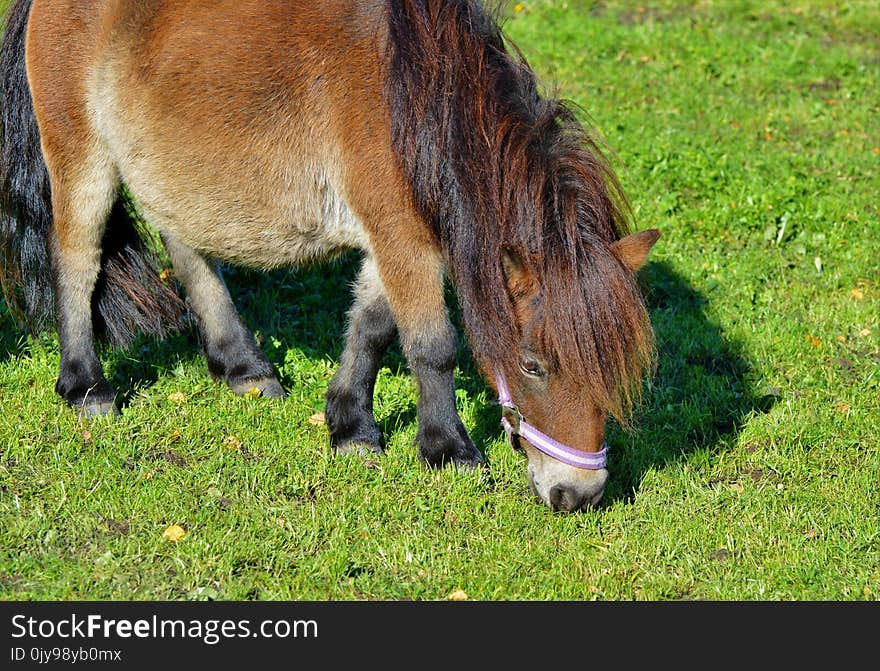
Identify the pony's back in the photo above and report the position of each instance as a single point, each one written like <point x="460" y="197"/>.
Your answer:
<point x="223" y="119"/>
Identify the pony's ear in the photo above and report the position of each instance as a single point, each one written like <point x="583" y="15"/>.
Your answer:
<point x="633" y="250"/>
<point x="520" y="282"/>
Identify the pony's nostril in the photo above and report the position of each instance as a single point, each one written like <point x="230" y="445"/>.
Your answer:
<point x="563" y="499"/>
<point x="571" y="499"/>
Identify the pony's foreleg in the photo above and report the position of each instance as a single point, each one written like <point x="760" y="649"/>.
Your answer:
<point x="413" y="279"/>
<point x="81" y="204"/>
<point x="230" y="350"/>
<point x="371" y="329"/>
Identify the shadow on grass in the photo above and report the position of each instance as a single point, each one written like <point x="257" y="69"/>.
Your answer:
<point x="302" y="309"/>
<point x="697" y="400"/>
<point x="699" y="396"/>
<point x="13" y="340"/>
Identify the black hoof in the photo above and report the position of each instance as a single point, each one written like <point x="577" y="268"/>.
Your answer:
<point x="102" y="409"/>
<point x="438" y="448"/>
<point x="358" y="447"/>
<point x="88" y="399"/>
<point x="352" y="428"/>
<point x="267" y="387"/>
<point x="355" y="437"/>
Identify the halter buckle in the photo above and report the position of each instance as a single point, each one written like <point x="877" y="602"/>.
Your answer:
<point x="513" y="416"/>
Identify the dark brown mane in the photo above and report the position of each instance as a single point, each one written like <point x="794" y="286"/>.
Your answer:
<point x="495" y="166"/>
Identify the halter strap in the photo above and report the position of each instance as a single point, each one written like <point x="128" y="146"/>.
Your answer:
<point x="593" y="461"/>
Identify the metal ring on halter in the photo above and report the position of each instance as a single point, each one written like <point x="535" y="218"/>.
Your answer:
<point x="515" y="425"/>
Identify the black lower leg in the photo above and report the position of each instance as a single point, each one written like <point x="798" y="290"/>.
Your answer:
<point x="82" y="384"/>
<point x="81" y="380"/>
<point x="230" y="350"/>
<point x="349" y="410"/>
<point x="236" y="359"/>
<point x="441" y="436"/>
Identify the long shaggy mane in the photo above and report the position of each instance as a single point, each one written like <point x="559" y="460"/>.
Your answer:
<point x="495" y="167"/>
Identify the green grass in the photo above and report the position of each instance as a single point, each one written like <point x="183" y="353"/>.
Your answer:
<point x="748" y="132"/>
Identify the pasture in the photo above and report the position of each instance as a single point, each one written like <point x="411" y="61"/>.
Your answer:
<point x="748" y="133"/>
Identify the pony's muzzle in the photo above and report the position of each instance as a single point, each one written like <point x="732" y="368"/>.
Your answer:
<point x="566" y="489"/>
<point x="570" y="499"/>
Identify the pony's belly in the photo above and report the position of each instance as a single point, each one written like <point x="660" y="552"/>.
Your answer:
<point x="298" y="235"/>
<point x="268" y="196"/>
<point x="300" y="227"/>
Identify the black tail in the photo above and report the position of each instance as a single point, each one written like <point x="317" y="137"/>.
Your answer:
<point x="25" y="208"/>
<point x="130" y="297"/>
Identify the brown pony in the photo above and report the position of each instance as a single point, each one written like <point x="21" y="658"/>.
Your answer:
<point x="274" y="132"/>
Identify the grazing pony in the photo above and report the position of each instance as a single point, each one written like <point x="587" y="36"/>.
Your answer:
<point x="271" y="133"/>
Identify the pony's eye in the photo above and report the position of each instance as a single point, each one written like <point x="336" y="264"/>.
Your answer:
<point x="531" y="367"/>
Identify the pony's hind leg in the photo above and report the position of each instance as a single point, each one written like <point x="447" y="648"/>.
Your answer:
<point x="230" y="350"/>
<point x="81" y="202"/>
<point x="371" y="329"/>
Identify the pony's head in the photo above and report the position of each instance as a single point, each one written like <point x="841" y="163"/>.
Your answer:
<point x="584" y="341"/>
<point x="533" y="227"/>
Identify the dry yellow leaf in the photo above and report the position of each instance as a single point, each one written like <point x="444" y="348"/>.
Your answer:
<point x="842" y="407"/>
<point x="177" y="397"/>
<point x="232" y="443"/>
<point x="318" y="419"/>
<point x="457" y="595"/>
<point x="148" y="475"/>
<point x="173" y="533"/>
<point x="841" y="338"/>
<point x="864" y="333"/>
<point x="857" y="294"/>
<point x="815" y="342"/>
<point x="735" y="486"/>
<point x="253" y="392"/>
<point x="87" y="436"/>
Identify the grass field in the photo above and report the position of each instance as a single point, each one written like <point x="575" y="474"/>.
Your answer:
<point x="748" y="132"/>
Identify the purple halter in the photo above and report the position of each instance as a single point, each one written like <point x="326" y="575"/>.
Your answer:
<point x="593" y="461"/>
